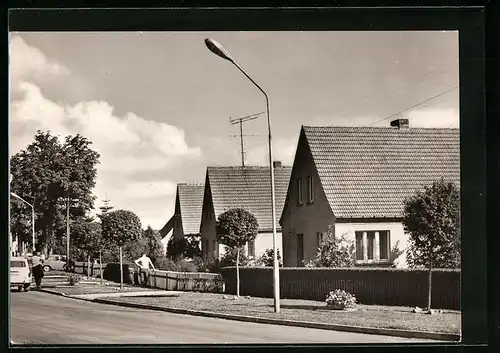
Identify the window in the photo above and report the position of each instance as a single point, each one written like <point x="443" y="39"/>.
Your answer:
<point x="300" y="199"/>
<point x="319" y="239"/>
<point x="372" y="246"/>
<point x="310" y="188"/>
<point x="251" y="248"/>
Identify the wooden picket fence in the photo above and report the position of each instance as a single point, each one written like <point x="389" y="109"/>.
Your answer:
<point x="187" y="281"/>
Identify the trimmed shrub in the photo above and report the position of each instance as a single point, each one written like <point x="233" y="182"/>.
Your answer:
<point x="112" y="272"/>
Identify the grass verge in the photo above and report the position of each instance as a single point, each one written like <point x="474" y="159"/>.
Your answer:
<point x="306" y="310"/>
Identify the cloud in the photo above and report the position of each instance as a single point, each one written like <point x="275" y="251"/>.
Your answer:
<point x="26" y="61"/>
<point x="129" y="145"/>
<point x="442" y="118"/>
<point x="283" y="150"/>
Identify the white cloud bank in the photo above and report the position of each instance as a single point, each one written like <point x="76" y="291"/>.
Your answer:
<point x="128" y="145"/>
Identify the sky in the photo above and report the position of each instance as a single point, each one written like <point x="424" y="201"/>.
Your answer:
<point x="157" y="105"/>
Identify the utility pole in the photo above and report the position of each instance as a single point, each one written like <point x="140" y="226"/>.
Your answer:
<point x="240" y="121"/>
<point x="68" y="202"/>
<point x="104" y="208"/>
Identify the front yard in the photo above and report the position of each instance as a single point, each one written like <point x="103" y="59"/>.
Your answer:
<point x="306" y="310"/>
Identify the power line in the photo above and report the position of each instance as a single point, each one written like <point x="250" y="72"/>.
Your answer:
<point x="416" y="105"/>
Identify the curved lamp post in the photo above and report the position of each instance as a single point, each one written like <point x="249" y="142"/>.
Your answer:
<point x="32" y="217"/>
<point x="218" y="50"/>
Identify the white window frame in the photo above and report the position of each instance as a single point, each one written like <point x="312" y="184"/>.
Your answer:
<point x="371" y="233"/>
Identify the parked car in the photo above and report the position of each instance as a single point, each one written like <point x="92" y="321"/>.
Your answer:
<point x="20" y="273"/>
<point x="54" y="262"/>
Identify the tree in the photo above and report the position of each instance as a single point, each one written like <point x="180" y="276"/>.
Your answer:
<point x="192" y="248"/>
<point x="176" y="248"/>
<point x="120" y="227"/>
<point x="334" y="251"/>
<point x="235" y="228"/>
<point x="47" y="171"/>
<point x="432" y="219"/>
<point x="87" y="235"/>
<point x="148" y="243"/>
<point x="189" y="247"/>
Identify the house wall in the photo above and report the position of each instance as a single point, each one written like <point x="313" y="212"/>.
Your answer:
<point x="165" y="239"/>
<point x="178" y="229"/>
<point x="263" y="241"/>
<point x="207" y="227"/>
<point x="396" y="231"/>
<point x="307" y="218"/>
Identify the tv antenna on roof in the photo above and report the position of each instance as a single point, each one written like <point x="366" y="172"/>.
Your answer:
<point x="240" y="121"/>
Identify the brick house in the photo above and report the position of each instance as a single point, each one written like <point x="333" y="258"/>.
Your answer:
<point x="187" y="213"/>
<point x="246" y="187"/>
<point x="356" y="179"/>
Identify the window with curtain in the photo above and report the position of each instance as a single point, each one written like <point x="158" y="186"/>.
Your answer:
<point x="383" y="246"/>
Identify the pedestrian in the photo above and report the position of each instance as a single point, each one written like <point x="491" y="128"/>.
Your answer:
<point x="144" y="263"/>
<point x="38" y="273"/>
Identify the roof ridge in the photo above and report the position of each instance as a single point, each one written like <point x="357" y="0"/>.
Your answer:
<point x="247" y="167"/>
<point x="376" y="127"/>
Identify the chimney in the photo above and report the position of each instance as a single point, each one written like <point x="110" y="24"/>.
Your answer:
<point x="401" y="123"/>
<point x="277" y="164"/>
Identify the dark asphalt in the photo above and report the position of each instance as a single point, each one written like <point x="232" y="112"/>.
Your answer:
<point x="41" y="318"/>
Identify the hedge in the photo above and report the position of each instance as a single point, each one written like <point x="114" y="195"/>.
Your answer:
<point x="112" y="272"/>
<point x="375" y="286"/>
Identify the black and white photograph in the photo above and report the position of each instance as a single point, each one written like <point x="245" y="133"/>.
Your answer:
<point x="234" y="187"/>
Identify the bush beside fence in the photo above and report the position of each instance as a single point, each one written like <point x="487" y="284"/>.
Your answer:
<point x="112" y="273"/>
<point x="187" y="281"/>
<point x="376" y="286"/>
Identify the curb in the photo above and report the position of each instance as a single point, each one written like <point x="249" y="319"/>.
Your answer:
<point x="51" y="292"/>
<point x="305" y="324"/>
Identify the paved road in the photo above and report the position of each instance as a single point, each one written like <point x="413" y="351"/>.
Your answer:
<point x="41" y="318"/>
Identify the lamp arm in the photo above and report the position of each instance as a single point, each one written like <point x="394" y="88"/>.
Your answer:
<point x="260" y="89"/>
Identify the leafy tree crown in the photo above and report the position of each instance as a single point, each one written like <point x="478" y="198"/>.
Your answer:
<point x="432" y="219"/>
<point x="236" y="227"/>
<point x="121" y="226"/>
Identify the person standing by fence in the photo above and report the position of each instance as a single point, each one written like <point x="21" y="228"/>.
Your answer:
<point x="144" y="263"/>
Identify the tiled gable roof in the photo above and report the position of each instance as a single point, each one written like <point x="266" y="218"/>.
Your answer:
<point x="368" y="172"/>
<point x="191" y="203"/>
<point x="249" y="188"/>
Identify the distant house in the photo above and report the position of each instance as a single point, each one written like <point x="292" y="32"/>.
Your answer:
<point x="248" y="188"/>
<point x="356" y="179"/>
<point x="187" y="213"/>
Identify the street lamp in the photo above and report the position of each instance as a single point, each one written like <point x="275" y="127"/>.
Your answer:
<point x="218" y="50"/>
<point x="32" y="217"/>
